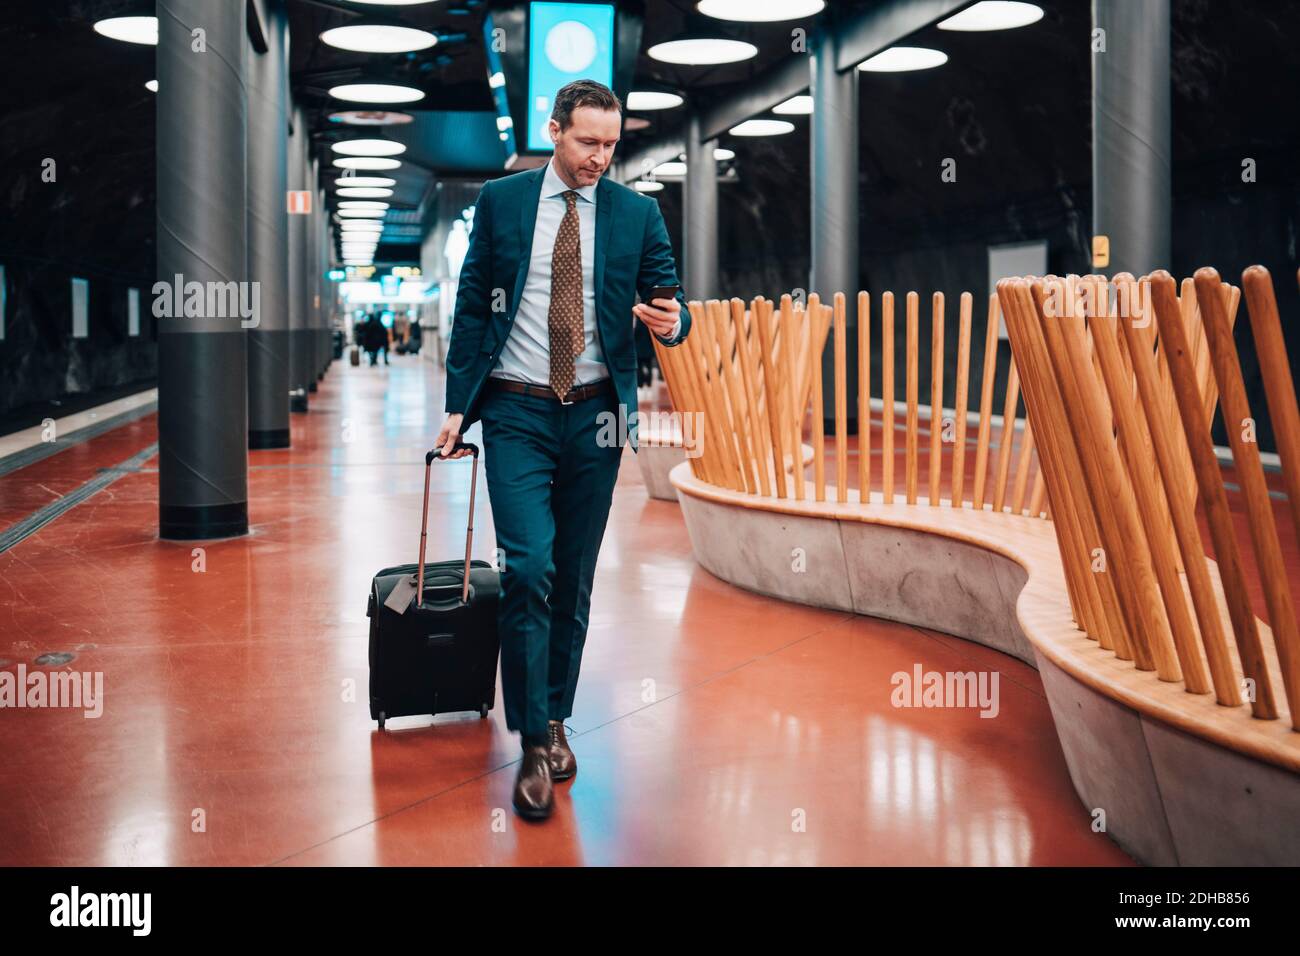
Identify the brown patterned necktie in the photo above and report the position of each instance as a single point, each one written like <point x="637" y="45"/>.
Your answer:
<point x="564" y="318"/>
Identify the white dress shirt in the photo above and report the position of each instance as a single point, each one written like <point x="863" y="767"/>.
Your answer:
<point x="526" y="355"/>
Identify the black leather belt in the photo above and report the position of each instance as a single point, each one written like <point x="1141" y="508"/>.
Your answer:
<point x="576" y="394"/>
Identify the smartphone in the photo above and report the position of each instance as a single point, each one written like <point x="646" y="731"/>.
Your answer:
<point x="663" y="292"/>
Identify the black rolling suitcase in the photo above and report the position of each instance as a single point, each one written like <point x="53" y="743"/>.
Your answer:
<point x="436" y="652"/>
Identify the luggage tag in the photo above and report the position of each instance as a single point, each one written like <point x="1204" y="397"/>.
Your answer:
<point x="399" y="599"/>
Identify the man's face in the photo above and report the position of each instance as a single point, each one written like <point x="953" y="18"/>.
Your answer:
<point x="584" y="151"/>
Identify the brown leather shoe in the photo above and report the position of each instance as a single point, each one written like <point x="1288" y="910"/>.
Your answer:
<point x="534" y="796"/>
<point x="563" y="763"/>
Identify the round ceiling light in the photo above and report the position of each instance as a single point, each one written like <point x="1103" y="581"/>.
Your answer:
<point x="801" y="105"/>
<point x="900" y="59"/>
<point x="376" y="93"/>
<point x="363" y="204"/>
<point x="371" y="118"/>
<point x="721" y="153"/>
<point x="375" y="37"/>
<point x="760" y="11"/>
<point x="642" y="100"/>
<point x="704" y="51"/>
<point x="369" y="147"/>
<point x="646" y="186"/>
<point x="993" y="15"/>
<point x="670" y="168"/>
<point x="366" y="162"/>
<point x="375" y="214"/>
<point x="362" y="192"/>
<point x="130" y="29"/>
<point x="634" y="123"/>
<point x="762" y="127"/>
<point x="361" y="226"/>
<point x="151" y="86"/>
<point x="373" y="181"/>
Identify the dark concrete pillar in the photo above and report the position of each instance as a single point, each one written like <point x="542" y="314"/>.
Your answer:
<point x="202" y="247"/>
<point x="313" y="288"/>
<point x="298" y="302"/>
<point x="1131" y="134"/>
<point x="268" y="233"/>
<point x="700" y="237"/>
<point x="834" y="164"/>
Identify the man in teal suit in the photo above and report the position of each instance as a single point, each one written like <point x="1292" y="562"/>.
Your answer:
<point x="543" y="353"/>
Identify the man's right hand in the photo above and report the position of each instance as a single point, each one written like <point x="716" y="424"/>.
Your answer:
<point x="449" y="435"/>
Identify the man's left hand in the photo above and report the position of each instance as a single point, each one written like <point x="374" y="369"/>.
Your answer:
<point x="659" y="315"/>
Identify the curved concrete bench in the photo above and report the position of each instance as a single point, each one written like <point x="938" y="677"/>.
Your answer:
<point x="1182" y="780"/>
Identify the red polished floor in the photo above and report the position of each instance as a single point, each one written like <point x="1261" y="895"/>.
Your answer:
<point x="712" y="726"/>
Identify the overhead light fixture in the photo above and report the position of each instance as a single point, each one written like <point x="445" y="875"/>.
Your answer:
<point x="371" y="118"/>
<point x="362" y="192"/>
<point x="369" y="147"/>
<point x="762" y="127"/>
<point x="900" y="59"/>
<point x="363" y="204"/>
<point x="633" y="123"/>
<point x="376" y="93"/>
<point x="361" y="225"/>
<point x="375" y="35"/>
<point x="671" y="168"/>
<point x="129" y="29"/>
<point x="151" y="86"/>
<point x="646" y="186"/>
<point x="760" y="11"/>
<point x="374" y="181"/>
<point x="375" y="214"/>
<point x="642" y="100"/>
<point x="702" y="51"/>
<point x="721" y="152"/>
<point x="993" y="15"/>
<point x="366" y="162"/>
<point x="801" y="105"/>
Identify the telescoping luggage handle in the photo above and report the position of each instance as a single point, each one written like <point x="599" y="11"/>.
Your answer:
<point x="429" y="459"/>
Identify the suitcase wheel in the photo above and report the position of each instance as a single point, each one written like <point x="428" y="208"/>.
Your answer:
<point x="482" y="711"/>
<point x="381" y="720"/>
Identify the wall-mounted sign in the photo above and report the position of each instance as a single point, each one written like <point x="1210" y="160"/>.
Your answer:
<point x="300" y="202"/>
<point x="566" y="42"/>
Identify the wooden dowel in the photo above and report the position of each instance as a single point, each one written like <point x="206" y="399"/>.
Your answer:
<point x="771" y="392"/>
<point x="841" y="401"/>
<point x="792" y="418"/>
<point x="1022" y="469"/>
<point x="1274" y="367"/>
<point x="936" y="395"/>
<point x="864" y="397"/>
<point x="747" y="325"/>
<point x="913" y="423"/>
<point x="1036" y="496"/>
<point x="1249" y="473"/>
<point x="1092" y="601"/>
<point x="718" y="393"/>
<point x="1008" y="438"/>
<point x="815" y="353"/>
<point x="1214" y="499"/>
<point x="986" y="402"/>
<point x="887" y="396"/>
<point x="963" y="388"/>
<point x="1119" y="553"/>
<point x="1141" y="467"/>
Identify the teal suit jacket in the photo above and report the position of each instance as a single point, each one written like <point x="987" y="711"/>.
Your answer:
<point x="632" y="256"/>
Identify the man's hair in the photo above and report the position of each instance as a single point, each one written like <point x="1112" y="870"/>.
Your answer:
<point x="582" y="93"/>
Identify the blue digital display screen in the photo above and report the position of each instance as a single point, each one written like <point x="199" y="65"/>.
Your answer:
<point x="566" y="42"/>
